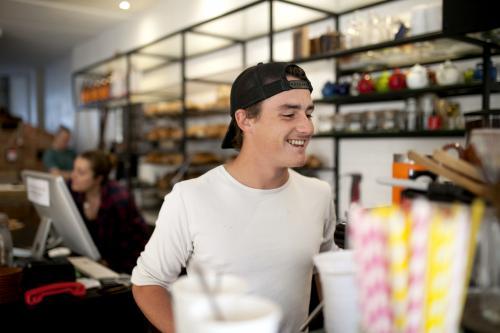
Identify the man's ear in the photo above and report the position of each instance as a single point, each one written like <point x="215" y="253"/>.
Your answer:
<point x="244" y="123"/>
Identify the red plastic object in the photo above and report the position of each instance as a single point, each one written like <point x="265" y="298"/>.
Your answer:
<point x="434" y="122"/>
<point x="366" y="85"/>
<point x="36" y="295"/>
<point x="397" y="80"/>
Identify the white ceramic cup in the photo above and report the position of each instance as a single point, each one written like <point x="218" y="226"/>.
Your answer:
<point x="337" y="274"/>
<point x="241" y="314"/>
<point x="187" y="291"/>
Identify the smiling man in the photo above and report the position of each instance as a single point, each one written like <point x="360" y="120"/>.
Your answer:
<point x="253" y="217"/>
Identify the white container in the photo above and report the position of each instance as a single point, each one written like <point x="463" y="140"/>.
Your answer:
<point x="417" y="77"/>
<point x="243" y="314"/>
<point x="187" y="291"/>
<point x="447" y="74"/>
<point x="337" y="273"/>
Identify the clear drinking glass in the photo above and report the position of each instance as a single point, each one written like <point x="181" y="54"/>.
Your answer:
<point x="485" y="143"/>
<point x="488" y="270"/>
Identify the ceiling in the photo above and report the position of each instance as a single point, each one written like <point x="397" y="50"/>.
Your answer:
<point x="36" y="32"/>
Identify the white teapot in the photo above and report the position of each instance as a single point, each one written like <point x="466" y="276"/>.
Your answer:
<point x="447" y="74"/>
<point x="417" y="77"/>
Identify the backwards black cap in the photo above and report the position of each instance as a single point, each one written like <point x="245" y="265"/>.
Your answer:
<point x="258" y="83"/>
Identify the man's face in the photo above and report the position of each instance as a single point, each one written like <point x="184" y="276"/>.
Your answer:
<point x="61" y="141"/>
<point x="282" y="131"/>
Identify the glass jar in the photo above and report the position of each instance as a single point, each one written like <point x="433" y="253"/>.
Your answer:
<point x="487" y="268"/>
<point x="389" y="123"/>
<point x="355" y="122"/>
<point x="411" y="114"/>
<point x="338" y="121"/>
<point x="370" y="121"/>
<point x="325" y="124"/>
<point x="5" y="242"/>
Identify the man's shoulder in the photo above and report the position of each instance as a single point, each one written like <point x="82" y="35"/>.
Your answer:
<point x="206" y="180"/>
<point x="310" y="183"/>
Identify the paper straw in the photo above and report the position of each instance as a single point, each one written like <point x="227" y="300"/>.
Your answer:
<point x="476" y="217"/>
<point x="398" y="267"/>
<point x="357" y="230"/>
<point x="461" y="231"/>
<point x="370" y="244"/>
<point x="420" y="217"/>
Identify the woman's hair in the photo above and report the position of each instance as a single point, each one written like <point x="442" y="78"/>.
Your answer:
<point x="100" y="163"/>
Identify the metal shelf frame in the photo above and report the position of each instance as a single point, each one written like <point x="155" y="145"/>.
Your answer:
<point x="485" y="88"/>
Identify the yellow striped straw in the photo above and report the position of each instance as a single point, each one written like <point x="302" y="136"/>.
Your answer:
<point x="398" y="266"/>
<point x="439" y="275"/>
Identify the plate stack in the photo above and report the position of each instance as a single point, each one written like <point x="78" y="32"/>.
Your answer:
<point x="10" y="284"/>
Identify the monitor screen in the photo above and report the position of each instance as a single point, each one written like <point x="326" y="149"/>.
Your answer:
<point x="55" y="206"/>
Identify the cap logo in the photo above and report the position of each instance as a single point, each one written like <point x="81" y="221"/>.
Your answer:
<point x="299" y="84"/>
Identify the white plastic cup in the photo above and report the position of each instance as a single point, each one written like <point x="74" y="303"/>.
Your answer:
<point x="188" y="291"/>
<point x="337" y="274"/>
<point x="243" y="314"/>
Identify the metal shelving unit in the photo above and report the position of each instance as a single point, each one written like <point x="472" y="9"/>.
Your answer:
<point x="393" y="134"/>
<point x="265" y="19"/>
<point x="442" y="91"/>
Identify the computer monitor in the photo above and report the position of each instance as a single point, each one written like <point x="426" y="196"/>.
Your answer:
<point x="56" y="207"/>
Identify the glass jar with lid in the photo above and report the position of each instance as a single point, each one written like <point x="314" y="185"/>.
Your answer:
<point x="370" y="121"/>
<point x="339" y="122"/>
<point x="389" y="120"/>
<point x="355" y="122"/>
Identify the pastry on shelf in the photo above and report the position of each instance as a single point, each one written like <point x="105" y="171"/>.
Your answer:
<point x="164" y="133"/>
<point x="163" y="108"/>
<point x="201" y="158"/>
<point x="207" y="131"/>
<point x="313" y="162"/>
<point x="163" y="158"/>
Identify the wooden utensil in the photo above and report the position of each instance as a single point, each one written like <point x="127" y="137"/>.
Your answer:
<point x="458" y="165"/>
<point x="471" y="185"/>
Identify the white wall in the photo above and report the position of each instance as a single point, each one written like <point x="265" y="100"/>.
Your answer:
<point x="166" y="17"/>
<point x="59" y="105"/>
<point x="22" y="92"/>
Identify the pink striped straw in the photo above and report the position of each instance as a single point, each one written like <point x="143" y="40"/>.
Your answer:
<point x="370" y="245"/>
<point x="420" y="219"/>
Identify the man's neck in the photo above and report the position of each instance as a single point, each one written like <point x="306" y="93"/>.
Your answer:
<point x="256" y="173"/>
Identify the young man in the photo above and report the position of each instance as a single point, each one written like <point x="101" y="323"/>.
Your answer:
<point x="253" y="217"/>
<point x="59" y="159"/>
